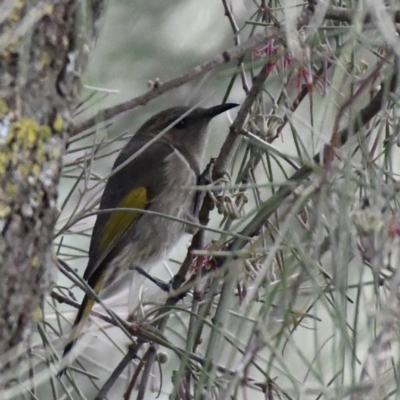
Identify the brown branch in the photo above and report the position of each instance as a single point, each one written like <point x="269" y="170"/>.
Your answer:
<point x="151" y="358"/>
<point x="129" y="356"/>
<point x="67" y="300"/>
<point x="237" y="125"/>
<point x="228" y="55"/>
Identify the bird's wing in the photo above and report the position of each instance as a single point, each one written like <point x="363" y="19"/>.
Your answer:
<point x="134" y="186"/>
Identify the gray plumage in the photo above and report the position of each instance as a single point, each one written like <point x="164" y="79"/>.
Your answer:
<point x="168" y="170"/>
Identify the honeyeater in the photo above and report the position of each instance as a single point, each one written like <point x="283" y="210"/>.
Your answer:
<point x="159" y="178"/>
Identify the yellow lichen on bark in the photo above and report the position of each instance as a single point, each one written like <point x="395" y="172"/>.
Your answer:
<point x="24" y="150"/>
<point x="58" y="123"/>
<point x="16" y="12"/>
<point x="23" y="132"/>
<point x="4" y="109"/>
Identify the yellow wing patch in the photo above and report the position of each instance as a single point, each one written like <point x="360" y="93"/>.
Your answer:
<point x="119" y="221"/>
<point x="89" y="305"/>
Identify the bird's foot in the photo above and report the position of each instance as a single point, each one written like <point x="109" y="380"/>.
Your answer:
<point x="164" y="286"/>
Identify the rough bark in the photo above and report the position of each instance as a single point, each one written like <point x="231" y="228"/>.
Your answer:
<point x="43" y="51"/>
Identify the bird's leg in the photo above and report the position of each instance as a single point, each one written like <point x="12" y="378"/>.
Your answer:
<point x="203" y="180"/>
<point x="189" y="228"/>
<point x="164" y="286"/>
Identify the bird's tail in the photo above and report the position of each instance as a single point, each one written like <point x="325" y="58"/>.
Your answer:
<point x="96" y="283"/>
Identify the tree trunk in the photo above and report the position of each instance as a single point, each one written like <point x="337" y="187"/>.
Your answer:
<point x="43" y="51"/>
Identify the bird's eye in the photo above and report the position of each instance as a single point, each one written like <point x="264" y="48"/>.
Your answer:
<point x="181" y="124"/>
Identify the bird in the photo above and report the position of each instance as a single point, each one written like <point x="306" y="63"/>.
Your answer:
<point x="159" y="177"/>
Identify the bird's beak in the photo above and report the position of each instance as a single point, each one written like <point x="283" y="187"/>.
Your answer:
<point x="216" y="110"/>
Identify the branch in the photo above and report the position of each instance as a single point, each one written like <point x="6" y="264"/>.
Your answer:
<point x="228" y="55"/>
<point x="271" y="205"/>
<point x="237" y="125"/>
<point x="343" y="14"/>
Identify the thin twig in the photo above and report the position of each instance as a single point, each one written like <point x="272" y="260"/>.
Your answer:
<point x="343" y="14"/>
<point x="236" y="39"/>
<point x="269" y="207"/>
<point x="150" y="359"/>
<point x="127" y="394"/>
<point x="129" y="356"/>
<point x="235" y="129"/>
<point x="225" y="153"/>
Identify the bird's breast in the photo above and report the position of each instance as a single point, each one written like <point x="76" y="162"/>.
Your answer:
<point x="153" y="236"/>
<point x="177" y="198"/>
